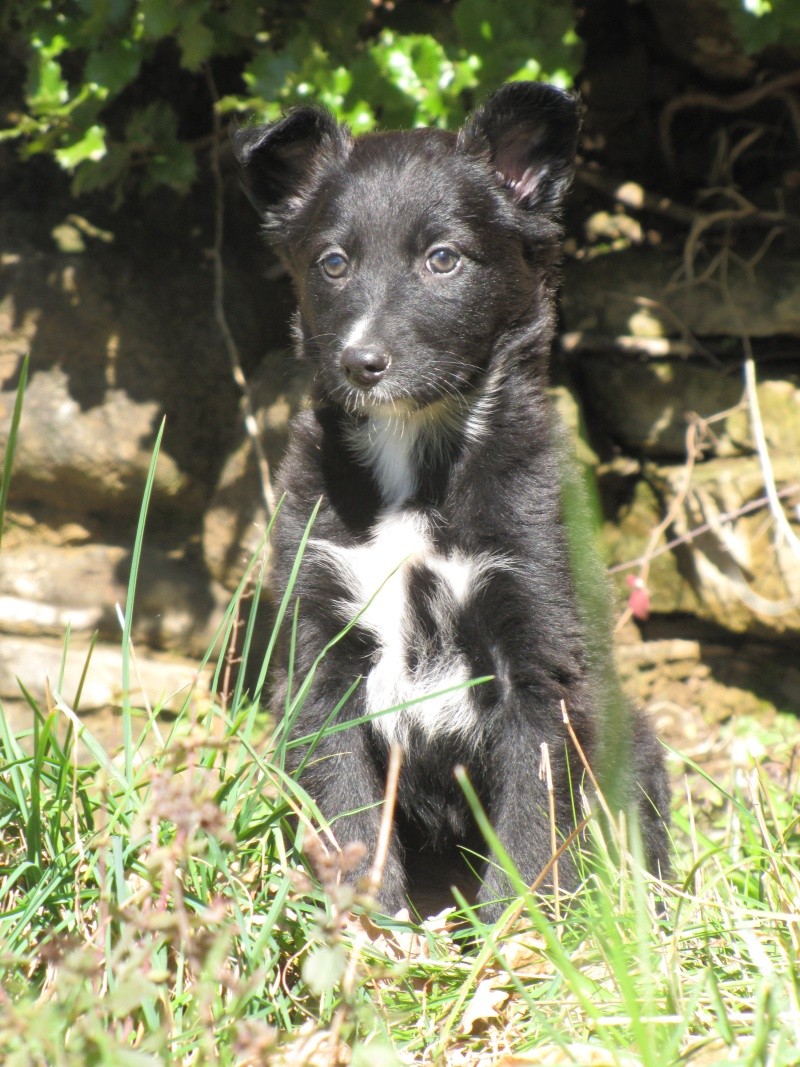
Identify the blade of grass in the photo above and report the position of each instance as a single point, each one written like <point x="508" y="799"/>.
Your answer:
<point x="94" y="747"/>
<point x="287" y="594"/>
<point x="18" y="764"/>
<point x="248" y="639"/>
<point x="256" y="559"/>
<point x="136" y="555"/>
<point x="85" y="671"/>
<point x="33" y="828"/>
<point x="11" y="443"/>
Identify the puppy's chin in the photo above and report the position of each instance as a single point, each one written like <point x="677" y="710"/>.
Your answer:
<point x="376" y="402"/>
<point x="395" y="400"/>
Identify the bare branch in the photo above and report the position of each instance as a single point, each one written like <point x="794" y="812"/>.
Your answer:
<point x="250" y="421"/>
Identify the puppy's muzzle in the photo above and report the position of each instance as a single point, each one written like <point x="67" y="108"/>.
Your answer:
<point x="364" y="367"/>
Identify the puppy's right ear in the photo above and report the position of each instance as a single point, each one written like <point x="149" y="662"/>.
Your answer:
<point x="277" y="160"/>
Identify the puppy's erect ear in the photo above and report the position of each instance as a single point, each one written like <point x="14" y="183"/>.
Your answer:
<point x="530" y="130"/>
<point x="279" y="159"/>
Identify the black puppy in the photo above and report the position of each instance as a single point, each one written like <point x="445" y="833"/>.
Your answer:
<point x="424" y="264"/>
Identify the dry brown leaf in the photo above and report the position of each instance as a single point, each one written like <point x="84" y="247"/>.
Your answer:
<point x="483" y="1006"/>
<point x="404" y="945"/>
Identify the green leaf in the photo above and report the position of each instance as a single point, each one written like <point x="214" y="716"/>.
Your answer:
<point x="196" y="42"/>
<point x="114" y="65"/>
<point x="91" y="146"/>
<point x="91" y="175"/>
<point x="174" y="166"/>
<point x="242" y="18"/>
<point x="417" y="81"/>
<point x="159" y="17"/>
<point x="155" y="124"/>
<point x="516" y="40"/>
<point x="268" y="73"/>
<point x="47" y="89"/>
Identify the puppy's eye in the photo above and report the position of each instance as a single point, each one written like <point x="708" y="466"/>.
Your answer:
<point x="335" y="265"/>
<point x="443" y="260"/>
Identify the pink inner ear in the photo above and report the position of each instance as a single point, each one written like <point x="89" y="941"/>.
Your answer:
<point x="512" y="162"/>
<point x="525" y="186"/>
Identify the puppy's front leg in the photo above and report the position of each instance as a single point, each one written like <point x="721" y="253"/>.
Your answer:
<point x="342" y="777"/>
<point x="519" y="811"/>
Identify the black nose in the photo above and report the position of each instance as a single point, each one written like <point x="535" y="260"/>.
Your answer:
<point x="364" y="366"/>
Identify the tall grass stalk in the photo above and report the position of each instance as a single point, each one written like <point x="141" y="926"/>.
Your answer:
<point x="11" y="442"/>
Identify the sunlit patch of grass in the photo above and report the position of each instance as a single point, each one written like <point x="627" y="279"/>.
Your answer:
<point x="159" y="909"/>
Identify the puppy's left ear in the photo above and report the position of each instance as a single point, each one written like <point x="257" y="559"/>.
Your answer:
<point x="530" y="130"/>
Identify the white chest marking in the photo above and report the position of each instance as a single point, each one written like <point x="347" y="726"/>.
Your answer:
<point x="388" y="445"/>
<point x="377" y="579"/>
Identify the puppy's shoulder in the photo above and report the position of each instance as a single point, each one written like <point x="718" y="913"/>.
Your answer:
<point x="301" y="458"/>
<point x="319" y="466"/>
<point x="305" y="430"/>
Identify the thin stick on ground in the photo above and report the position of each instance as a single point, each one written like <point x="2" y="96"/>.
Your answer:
<point x="692" y="453"/>
<point x="387" y="819"/>
<point x="784" y="527"/>
<point x="373" y="884"/>
<point x="586" y="766"/>
<point x="503" y="927"/>
<point x="729" y="103"/>
<point x="546" y="774"/>
<point x="696" y="531"/>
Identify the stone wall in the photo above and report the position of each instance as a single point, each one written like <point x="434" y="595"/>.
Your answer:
<point x="118" y="321"/>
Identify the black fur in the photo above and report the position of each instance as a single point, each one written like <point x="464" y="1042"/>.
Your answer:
<point x="456" y="359"/>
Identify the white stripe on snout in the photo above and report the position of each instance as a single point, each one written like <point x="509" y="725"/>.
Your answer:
<point x="356" y="335"/>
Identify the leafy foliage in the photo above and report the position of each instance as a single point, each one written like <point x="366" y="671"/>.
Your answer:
<point x="759" y="23"/>
<point x="112" y="87"/>
<point x="111" y="84"/>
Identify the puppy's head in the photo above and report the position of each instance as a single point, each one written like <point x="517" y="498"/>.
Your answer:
<point x="416" y="256"/>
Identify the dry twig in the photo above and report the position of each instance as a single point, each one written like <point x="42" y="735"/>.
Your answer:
<point x="737" y="102"/>
<point x="250" y="422"/>
<point x="785" y="530"/>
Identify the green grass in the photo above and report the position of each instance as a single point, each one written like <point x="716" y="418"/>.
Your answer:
<point x="159" y="906"/>
<point x="155" y="909"/>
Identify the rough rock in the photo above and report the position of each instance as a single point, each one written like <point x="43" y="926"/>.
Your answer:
<point x="634" y="510"/>
<point x="120" y="330"/>
<point x="699" y="33"/>
<point x="92" y="460"/>
<point x="730" y="568"/>
<point x="644" y="292"/>
<point x="45" y="587"/>
<point x="745" y="575"/>
<point x="156" y="682"/>
<point x="119" y="337"/>
<point x="235" y="520"/>
<point x="779" y="406"/>
<point x="646" y="405"/>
